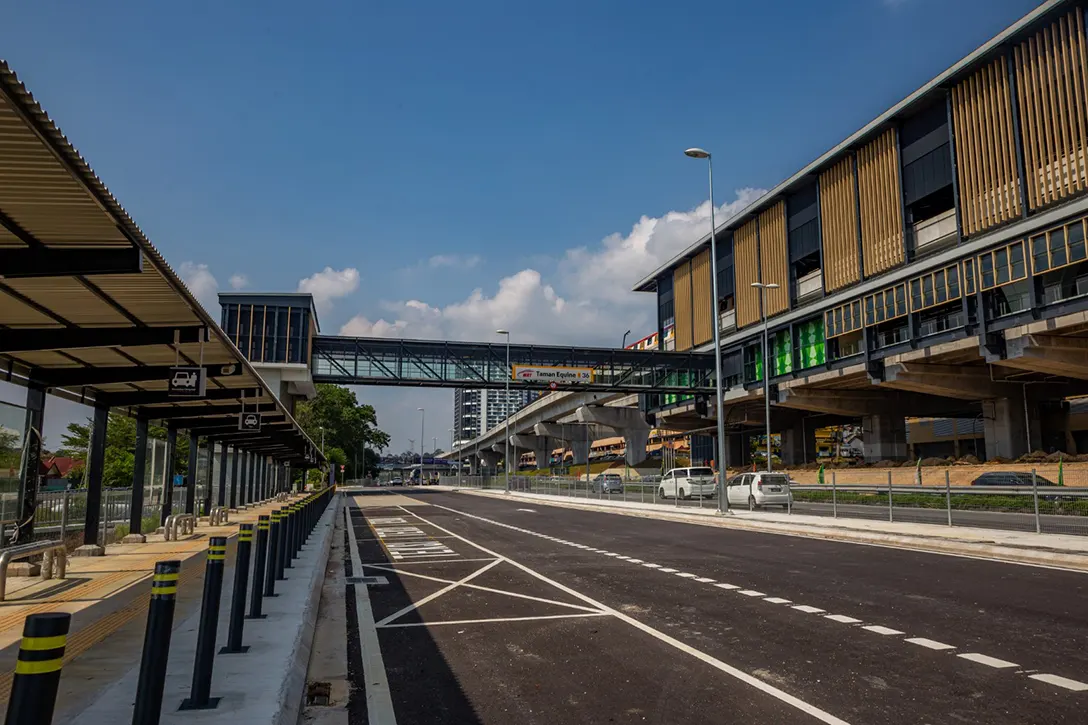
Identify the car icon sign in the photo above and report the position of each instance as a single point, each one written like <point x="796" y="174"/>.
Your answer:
<point x="184" y="379"/>
<point x="251" y="421"/>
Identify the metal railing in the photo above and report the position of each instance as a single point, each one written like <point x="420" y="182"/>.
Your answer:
<point x="1036" y="508"/>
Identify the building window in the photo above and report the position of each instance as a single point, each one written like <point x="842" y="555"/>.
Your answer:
<point x="245" y="323"/>
<point x="1002" y="266"/>
<point x="969" y="277"/>
<point x="1058" y="247"/>
<point x="935" y="288"/>
<point x="842" y="320"/>
<point x="886" y="305"/>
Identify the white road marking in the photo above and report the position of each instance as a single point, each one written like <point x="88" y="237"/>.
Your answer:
<point x="1061" y="682"/>
<point x="625" y="558"/>
<point x="420" y="602"/>
<point x="379" y="701"/>
<point x="705" y="580"/>
<point x="635" y="561"/>
<point x="988" y="661"/>
<point x="685" y="575"/>
<point x="777" y="600"/>
<point x="667" y="570"/>
<point x="723" y="585"/>
<point x="497" y="619"/>
<point x="841" y="618"/>
<point x="882" y="630"/>
<point x="609" y="553"/>
<point x="808" y="610"/>
<point x="528" y="511"/>
<point x="652" y="566"/>
<point x="721" y="666"/>
<point x="751" y="593"/>
<point x="929" y="643"/>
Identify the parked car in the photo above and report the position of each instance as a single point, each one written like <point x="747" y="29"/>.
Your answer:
<point x="756" y="490"/>
<point x="1009" y="478"/>
<point x="687" y="482"/>
<point x="607" y="483"/>
<point x="396" y="481"/>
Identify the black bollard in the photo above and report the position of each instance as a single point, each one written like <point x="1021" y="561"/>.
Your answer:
<point x="160" y="621"/>
<point x="37" y="671"/>
<point x="200" y="694"/>
<point x="292" y="525"/>
<point x="258" y="568"/>
<point x="273" y="555"/>
<point x="281" y="548"/>
<point x="238" y="600"/>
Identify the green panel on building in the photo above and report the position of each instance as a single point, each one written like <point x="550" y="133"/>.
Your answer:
<point x="810" y="339"/>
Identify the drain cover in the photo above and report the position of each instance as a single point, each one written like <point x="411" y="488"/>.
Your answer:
<point x="367" y="580"/>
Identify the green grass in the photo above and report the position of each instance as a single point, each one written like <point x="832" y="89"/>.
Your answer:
<point x="960" y="502"/>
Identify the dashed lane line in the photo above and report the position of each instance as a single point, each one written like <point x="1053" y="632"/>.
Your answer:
<point x="931" y="644"/>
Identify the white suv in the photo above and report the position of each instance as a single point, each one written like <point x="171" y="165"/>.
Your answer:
<point x="756" y="490"/>
<point x="688" y="482"/>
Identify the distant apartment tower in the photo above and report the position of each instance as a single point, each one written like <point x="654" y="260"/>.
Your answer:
<point x="475" y="410"/>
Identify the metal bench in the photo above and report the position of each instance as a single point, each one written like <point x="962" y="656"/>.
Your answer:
<point x="56" y="559"/>
<point x="179" y="524"/>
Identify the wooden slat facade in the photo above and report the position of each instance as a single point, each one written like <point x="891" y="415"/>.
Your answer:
<point x="839" y="223"/>
<point x="746" y="269"/>
<point x="1051" y="84"/>
<point x="774" y="258"/>
<point x="681" y="295"/>
<point x="702" y="295"/>
<point x="985" y="149"/>
<point x="881" y="207"/>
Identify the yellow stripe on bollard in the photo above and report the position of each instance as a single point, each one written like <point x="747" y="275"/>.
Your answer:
<point x="164" y="577"/>
<point x="38" y="668"/>
<point x="43" y="643"/>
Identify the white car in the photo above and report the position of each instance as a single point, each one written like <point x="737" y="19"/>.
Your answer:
<point x="756" y="490"/>
<point x="688" y="482"/>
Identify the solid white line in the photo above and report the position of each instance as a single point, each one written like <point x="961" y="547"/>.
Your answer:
<point x="988" y="661"/>
<point x="1061" y="682"/>
<point x="705" y="580"/>
<point x="723" y="585"/>
<point x="429" y="561"/>
<point x="930" y="643"/>
<point x="379" y="701"/>
<point x="807" y="609"/>
<point x="727" y="669"/>
<point x="777" y="600"/>
<point x="498" y="619"/>
<point x="841" y="618"/>
<point x="668" y="571"/>
<point x="751" y="593"/>
<point x="882" y="630"/>
<point x="420" y="602"/>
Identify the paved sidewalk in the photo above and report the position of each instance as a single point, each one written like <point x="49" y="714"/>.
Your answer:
<point x="1024" y="547"/>
<point x="107" y="597"/>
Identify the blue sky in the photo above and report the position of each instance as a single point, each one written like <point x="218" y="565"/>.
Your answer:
<point x="442" y="169"/>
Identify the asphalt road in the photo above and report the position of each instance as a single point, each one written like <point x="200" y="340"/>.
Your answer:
<point x="611" y="618"/>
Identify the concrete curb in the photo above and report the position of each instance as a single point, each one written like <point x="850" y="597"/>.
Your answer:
<point x="930" y="542"/>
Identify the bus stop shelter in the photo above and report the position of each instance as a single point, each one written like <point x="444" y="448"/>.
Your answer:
<point x="91" y="312"/>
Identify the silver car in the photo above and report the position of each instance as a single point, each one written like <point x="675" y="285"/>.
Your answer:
<point x="607" y="483"/>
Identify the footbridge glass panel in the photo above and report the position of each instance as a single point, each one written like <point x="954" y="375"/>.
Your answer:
<point x="436" y="363"/>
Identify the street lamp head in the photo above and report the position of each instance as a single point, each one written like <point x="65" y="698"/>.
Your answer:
<point x="420" y="409"/>
<point x="697" y="153"/>
<point x="502" y="332"/>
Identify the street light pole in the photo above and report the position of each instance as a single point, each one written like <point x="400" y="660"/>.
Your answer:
<point x="723" y="500"/>
<point x="506" y="438"/>
<point x="766" y="364"/>
<point x="624" y="345"/>
<point x="422" y="442"/>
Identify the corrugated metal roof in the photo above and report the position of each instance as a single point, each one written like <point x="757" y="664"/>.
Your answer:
<point x="51" y="199"/>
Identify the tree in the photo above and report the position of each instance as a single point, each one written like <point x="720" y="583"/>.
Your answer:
<point x="349" y="428"/>
<point x="119" y="462"/>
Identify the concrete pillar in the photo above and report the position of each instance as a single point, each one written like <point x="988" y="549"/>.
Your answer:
<point x="190" y="476"/>
<point x="168" y="488"/>
<point x="234" y="479"/>
<point x="490" y="459"/>
<point x="1007" y="429"/>
<point x="30" y="475"/>
<point x="95" y="467"/>
<point x="578" y="437"/>
<point x="139" y="468"/>
<point x="798" y="443"/>
<point x="885" y="437"/>
<point x="628" y="422"/>
<point x="538" y="444"/>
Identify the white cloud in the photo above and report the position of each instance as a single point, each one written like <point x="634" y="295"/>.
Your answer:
<point x="589" y="303"/>
<point x="329" y="285"/>
<point x="202" y="283"/>
<point x="239" y="281"/>
<point x="456" y="261"/>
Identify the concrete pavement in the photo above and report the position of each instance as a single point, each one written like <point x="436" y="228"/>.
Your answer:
<point x="500" y="610"/>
